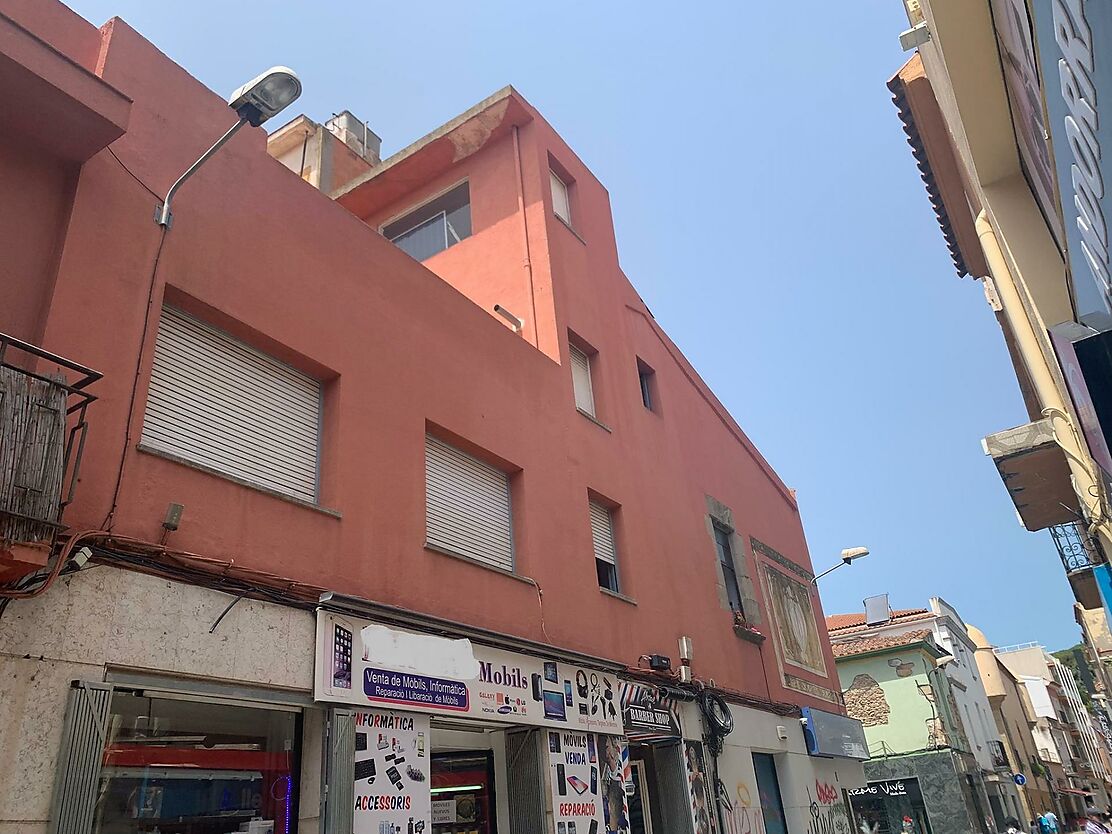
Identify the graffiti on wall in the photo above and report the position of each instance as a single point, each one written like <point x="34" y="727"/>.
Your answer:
<point x="828" y="813"/>
<point x="738" y="813"/>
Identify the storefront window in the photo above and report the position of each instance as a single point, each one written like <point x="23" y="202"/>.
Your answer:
<point x="463" y="793"/>
<point x="176" y="766"/>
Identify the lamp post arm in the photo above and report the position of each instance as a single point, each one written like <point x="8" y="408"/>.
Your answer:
<point x="815" y="580"/>
<point x="163" y="217"/>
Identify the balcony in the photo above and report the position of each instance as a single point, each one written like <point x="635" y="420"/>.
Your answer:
<point x="1035" y="472"/>
<point x="999" y="756"/>
<point x="42" y="437"/>
<point x="1079" y="553"/>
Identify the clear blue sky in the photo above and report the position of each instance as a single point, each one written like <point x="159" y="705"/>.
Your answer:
<point x="769" y="212"/>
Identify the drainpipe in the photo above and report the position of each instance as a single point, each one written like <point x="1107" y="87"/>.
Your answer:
<point x="527" y="261"/>
<point x="1038" y="370"/>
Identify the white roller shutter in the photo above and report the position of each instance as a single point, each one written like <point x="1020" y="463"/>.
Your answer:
<point x="602" y="531"/>
<point x="581" y="380"/>
<point x="561" y="206"/>
<point x="218" y="403"/>
<point x="467" y="506"/>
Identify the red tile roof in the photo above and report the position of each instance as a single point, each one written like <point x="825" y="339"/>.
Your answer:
<point x="863" y="645"/>
<point x="846" y="622"/>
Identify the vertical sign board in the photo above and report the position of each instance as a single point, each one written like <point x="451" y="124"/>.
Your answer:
<point x="1074" y="43"/>
<point x="1064" y="336"/>
<point x="392" y="772"/>
<point x="587" y="775"/>
<point x="1103" y="576"/>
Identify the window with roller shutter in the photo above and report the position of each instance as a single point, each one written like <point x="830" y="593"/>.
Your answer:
<point x="606" y="553"/>
<point x="467" y="506"/>
<point x="216" y="402"/>
<point x="581" y="380"/>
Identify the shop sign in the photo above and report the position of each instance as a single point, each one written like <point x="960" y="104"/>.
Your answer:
<point x="893" y="788"/>
<point x="829" y="734"/>
<point x="587" y="773"/>
<point x="654" y="721"/>
<point x="443" y="812"/>
<point x="1066" y="337"/>
<point x="699" y="788"/>
<point x="365" y="663"/>
<point x="1074" y="42"/>
<point x="647" y="713"/>
<point x="392" y="770"/>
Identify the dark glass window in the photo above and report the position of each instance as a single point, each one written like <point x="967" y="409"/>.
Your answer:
<point x="646" y="376"/>
<point x="729" y="572"/>
<point x="435" y="226"/>
<point x="607" y="575"/>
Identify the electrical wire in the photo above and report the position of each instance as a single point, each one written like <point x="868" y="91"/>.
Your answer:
<point x="133" y="175"/>
<point x="110" y="518"/>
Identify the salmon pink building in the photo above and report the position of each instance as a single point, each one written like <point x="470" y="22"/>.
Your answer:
<point x="388" y="505"/>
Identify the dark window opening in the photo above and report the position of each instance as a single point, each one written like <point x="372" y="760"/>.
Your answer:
<point x="607" y="575"/>
<point x="435" y="226"/>
<point x="729" y="571"/>
<point x="646" y="376"/>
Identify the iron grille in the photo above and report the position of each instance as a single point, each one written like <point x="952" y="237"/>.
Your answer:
<point x="1076" y="548"/>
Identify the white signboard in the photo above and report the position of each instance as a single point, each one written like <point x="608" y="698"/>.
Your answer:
<point x="587" y="774"/>
<point x="365" y="663"/>
<point x="443" y="812"/>
<point x="392" y="772"/>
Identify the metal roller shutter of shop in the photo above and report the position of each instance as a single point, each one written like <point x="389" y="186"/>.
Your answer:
<point x="673" y="789"/>
<point x="218" y="403"/>
<point x="79" y="758"/>
<point x="339" y="773"/>
<point x="467" y="506"/>
<point x="526" y="777"/>
<point x="602" y="532"/>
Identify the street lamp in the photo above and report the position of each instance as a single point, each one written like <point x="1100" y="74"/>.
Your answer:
<point x="849" y="555"/>
<point x="255" y="102"/>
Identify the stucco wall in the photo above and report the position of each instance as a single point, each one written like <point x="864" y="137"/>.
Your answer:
<point x="257" y="252"/>
<point x="887" y="699"/>
<point x="811" y="788"/>
<point x="105" y="618"/>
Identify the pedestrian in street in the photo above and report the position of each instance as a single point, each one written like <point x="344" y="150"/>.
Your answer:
<point x="1052" y="818"/>
<point x="1043" y="824"/>
<point x="1093" y="825"/>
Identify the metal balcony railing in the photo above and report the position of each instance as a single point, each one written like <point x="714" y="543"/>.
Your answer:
<point x="1076" y="547"/>
<point x="43" y="402"/>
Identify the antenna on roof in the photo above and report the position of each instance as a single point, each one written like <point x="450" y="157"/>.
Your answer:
<point x="877" y="611"/>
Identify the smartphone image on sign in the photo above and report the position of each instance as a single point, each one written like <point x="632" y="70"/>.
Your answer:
<point x="553" y="742"/>
<point x="569" y="698"/>
<point x="594" y="827"/>
<point x="591" y="748"/>
<point x="579" y="785"/>
<point x="341" y="656"/>
<point x="561" y="828"/>
<point x="561" y="785"/>
<point x="594" y="779"/>
<point x="571" y="828"/>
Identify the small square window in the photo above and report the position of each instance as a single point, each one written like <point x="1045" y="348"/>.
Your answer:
<point x="561" y="201"/>
<point x="607" y="575"/>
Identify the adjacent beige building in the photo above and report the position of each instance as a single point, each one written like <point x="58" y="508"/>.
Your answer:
<point x="982" y="121"/>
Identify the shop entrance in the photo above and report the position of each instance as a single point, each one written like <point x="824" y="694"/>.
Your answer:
<point x="468" y="778"/>
<point x="463" y="800"/>
<point x="640" y="805"/>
